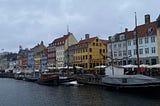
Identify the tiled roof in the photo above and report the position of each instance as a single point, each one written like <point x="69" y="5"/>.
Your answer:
<point x="129" y="34"/>
<point x="104" y="41"/>
<point x="142" y="30"/>
<point x="88" y="40"/>
<point x="61" y="39"/>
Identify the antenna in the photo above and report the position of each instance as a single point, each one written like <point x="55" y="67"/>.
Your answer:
<point x="67" y="28"/>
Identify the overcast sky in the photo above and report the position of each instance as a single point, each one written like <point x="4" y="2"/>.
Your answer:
<point x="27" y="22"/>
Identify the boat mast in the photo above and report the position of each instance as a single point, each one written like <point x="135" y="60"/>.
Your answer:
<point x="112" y="59"/>
<point x="136" y="36"/>
<point x="68" y="50"/>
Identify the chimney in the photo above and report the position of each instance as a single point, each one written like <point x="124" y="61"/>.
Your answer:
<point x="41" y="42"/>
<point x="126" y="29"/>
<point x="86" y="36"/>
<point x="147" y="19"/>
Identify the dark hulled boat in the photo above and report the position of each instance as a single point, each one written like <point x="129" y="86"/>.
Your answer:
<point x="131" y="83"/>
<point x="63" y="80"/>
<point x="48" y="79"/>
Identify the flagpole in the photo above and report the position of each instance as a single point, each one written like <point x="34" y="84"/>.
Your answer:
<point x="137" y="48"/>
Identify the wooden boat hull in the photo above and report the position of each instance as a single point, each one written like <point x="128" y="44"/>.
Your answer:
<point x="48" y="80"/>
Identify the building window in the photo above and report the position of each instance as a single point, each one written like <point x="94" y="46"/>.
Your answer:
<point x="100" y="50"/>
<point x="140" y="41"/>
<point x="119" y="45"/>
<point x="146" y="39"/>
<point x="90" y="56"/>
<point x="150" y="30"/>
<point x="140" y="51"/>
<point x="103" y="50"/>
<point x="115" y="46"/>
<point x="134" y="51"/>
<point x="124" y="53"/>
<point x="115" y="54"/>
<point x="90" y="49"/>
<point x="146" y="50"/>
<point x="120" y="53"/>
<point x="134" y="42"/>
<point x="122" y="37"/>
<point x="153" y="50"/>
<point x="93" y="44"/>
<point x="124" y="44"/>
<point x="86" y="57"/>
<point x="129" y="43"/>
<point x="129" y="52"/>
<point x="86" y="50"/>
<point x="100" y="44"/>
<point x="152" y="39"/>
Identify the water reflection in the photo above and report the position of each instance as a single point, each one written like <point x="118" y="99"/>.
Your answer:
<point x="21" y="93"/>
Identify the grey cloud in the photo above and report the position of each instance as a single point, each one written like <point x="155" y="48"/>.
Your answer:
<point x="28" y="22"/>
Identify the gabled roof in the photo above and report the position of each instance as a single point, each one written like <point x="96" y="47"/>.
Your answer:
<point x="61" y="39"/>
<point x="142" y="30"/>
<point x="88" y="40"/>
<point x="127" y="34"/>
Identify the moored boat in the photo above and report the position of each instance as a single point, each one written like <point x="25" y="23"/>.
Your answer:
<point x="131" y="82"/>
<point x="19" y="75"/>
<point x="65" y="79"/>
<point x="48" y="79"/>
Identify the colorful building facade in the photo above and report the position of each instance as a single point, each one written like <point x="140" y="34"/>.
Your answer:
<point x="148" y="44"/>
<point x="90" y="52"/>
<point x="61" y="45"/>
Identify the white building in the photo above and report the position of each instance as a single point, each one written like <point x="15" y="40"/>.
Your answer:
<point x="118" y="43"/>
<point x="148" y="43"/>
<point x="61" y="45"/>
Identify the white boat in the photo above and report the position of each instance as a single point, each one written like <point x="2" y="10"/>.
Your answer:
<point x="71" y="83"/>
<point x="131" y="82"/>
<point x="121" y="81"/>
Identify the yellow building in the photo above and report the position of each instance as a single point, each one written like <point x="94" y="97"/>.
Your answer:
<point x="38" y="52"/>
<point x="90" y="52"/>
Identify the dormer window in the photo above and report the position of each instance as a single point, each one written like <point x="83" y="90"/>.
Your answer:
<point x="134" y="34"/>
<point x="122" y="37"/>
<point x="112" y="38"/>
<point x="150" y="30"/>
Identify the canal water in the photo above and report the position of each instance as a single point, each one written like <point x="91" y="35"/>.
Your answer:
<point x="20" y="93"/>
